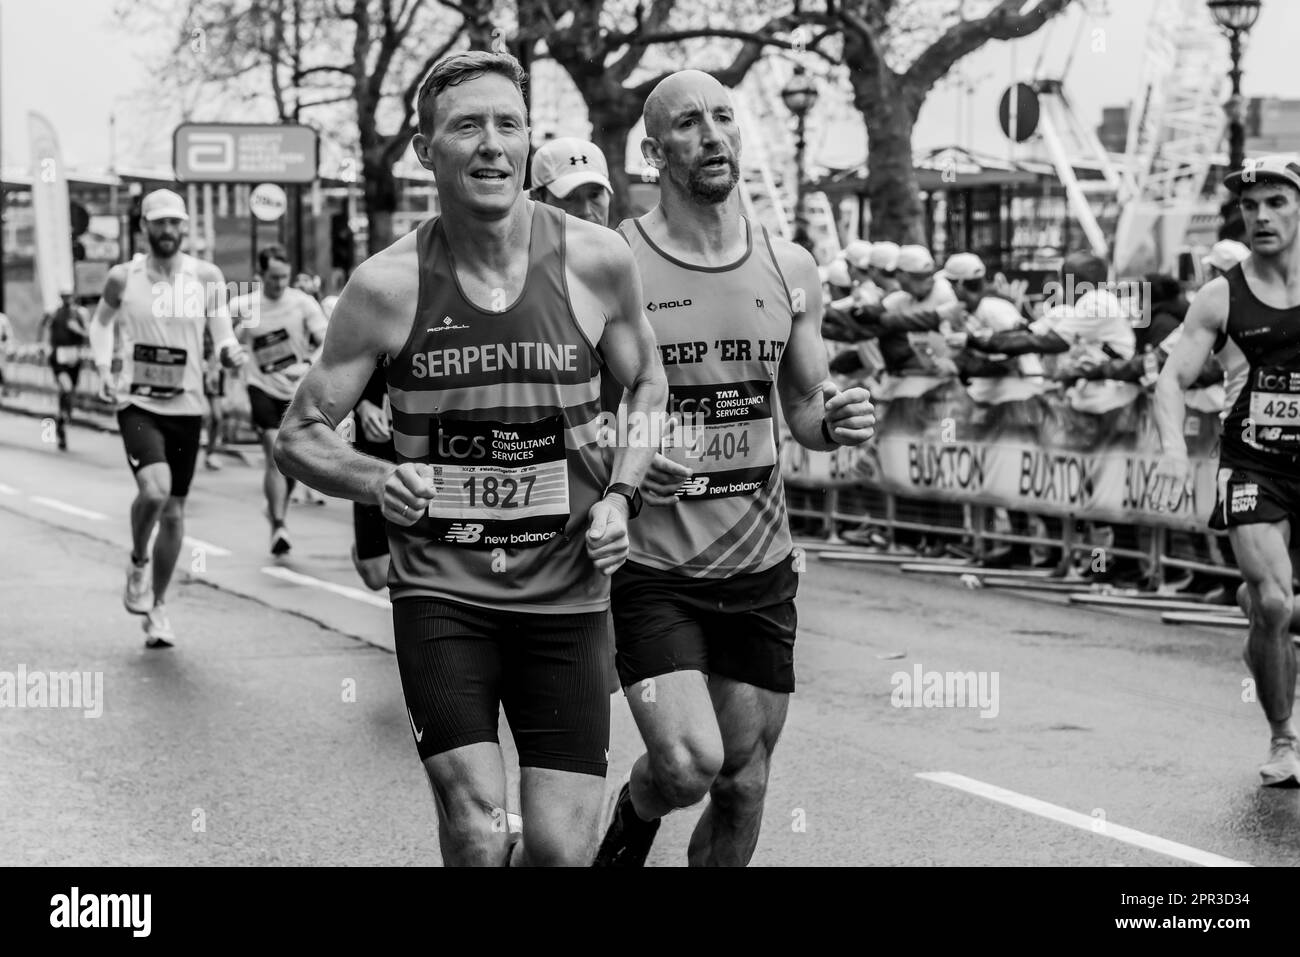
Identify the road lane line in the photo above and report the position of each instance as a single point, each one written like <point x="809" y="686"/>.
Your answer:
<point x="215" y="551"/>
<point x="8" y="490"/>
<point x="356" y="594"/>
<point x="70" y="509"/>
<point x="1084" y="822"/>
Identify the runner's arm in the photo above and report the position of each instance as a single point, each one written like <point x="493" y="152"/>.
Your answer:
<point x="1205" y="320"/>
<point x="373" y="304"/>
<point x="316" y="325"/>
<point x="101" y="325"/>
<point x="804" y="384"/>
<point x="219" y="323"/>
<point x="628" y="347"/>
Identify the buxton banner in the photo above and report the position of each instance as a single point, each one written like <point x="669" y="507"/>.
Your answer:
<point x="1036" y="454"/>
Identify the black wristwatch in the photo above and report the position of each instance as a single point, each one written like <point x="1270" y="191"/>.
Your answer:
<point x="629" y="492"/>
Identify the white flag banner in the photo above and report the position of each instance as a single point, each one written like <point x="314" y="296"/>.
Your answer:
<point x="50" y="205"/>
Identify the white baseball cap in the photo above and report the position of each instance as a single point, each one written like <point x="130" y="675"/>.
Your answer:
<point x="961" y="267"/>
<point x="915" y="259"/>
<point x="562" y="165"/>
<point x="1267" y="169"/>
<point x="837" y="273"/>
<point x="1226" y="254"/>
<point x="163" y="204"/>
<point x="884" y="255"/>
<point x="858" y="254"/>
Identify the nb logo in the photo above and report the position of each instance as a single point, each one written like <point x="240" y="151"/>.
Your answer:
<point x="463" y="533"/>
<point x="575" y="160"/>
<point x="694" y="486"/>
<point x="758" y="302"/>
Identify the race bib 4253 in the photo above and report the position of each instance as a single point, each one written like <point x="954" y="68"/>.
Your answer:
<point x="1275" y="408"/>
<point x="498" y="484"/>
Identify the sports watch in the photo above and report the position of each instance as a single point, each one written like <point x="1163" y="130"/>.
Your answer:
<point x="629" y="492"/>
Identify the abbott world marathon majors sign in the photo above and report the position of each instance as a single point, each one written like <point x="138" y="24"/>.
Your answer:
<point x="244" y="153"/>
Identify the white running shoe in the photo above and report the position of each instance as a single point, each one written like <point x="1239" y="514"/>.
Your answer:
<point x="1282" y="770"/>
<point x="137" y="596"/>
<point x="158" y="628"/>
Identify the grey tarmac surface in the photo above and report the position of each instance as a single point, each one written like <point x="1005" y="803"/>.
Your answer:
<point x="274" y="733"/>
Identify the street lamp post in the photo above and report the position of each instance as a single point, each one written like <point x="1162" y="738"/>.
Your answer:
<point x="799" y="95"/>
<point x="1235" y="18"/>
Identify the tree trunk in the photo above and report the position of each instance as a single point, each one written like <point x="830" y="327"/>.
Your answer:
<point x="610" y="126"/>
<point x="896" y="210"/>
<point x="381" y="201"/>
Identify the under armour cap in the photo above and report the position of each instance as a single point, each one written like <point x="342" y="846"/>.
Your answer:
<point x="163" y="204"/>
<point x="1282" y="168"/>
<point x="962" y="267"/>
<point x="884" y="255"/>
<point x="1226" y="254"/>
<point x="915" y="259"/>
<point x="858" y="254"/>
<point x="562" y="165"/>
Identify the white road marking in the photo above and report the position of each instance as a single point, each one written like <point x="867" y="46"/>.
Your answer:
<point x="70" y="509"/>
<point x="356" y="594"/>
<point x="214" y="550"/>
<point x="1084" y="822"/>
<point x="8" y="490"/>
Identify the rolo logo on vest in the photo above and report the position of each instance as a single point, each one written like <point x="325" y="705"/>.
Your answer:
<point x="672" y="304"/>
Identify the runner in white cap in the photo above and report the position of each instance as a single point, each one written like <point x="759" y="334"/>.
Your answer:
<point x="161" y="304"/>
<point x="884" y="264"/>
<point x="571" y="174"/>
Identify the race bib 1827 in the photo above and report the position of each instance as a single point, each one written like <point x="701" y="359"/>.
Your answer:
<point x="727" y="439"/>
<point x="1275" y="408"/>
<point x="498" y="484"/>
<point x="157" y="372"/>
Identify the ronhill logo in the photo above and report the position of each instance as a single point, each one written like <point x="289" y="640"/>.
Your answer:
<point x="672" y="304"/>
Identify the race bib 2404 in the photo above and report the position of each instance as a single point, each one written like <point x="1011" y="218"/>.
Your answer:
<point x="498" y="484"/>
<point x="273" y="351"/>
<point x="727" y="439"/>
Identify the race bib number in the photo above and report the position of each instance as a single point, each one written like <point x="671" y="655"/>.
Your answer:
<point x="273" y="351"/>
<point x="726" y="438"/>
<point x="1275" y="409"/>
<point x="67" y="355"/>
<point x="498" y="484"/>
<point x="158" y="372"/>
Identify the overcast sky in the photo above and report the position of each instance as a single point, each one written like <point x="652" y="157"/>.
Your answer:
<point x="69" y="60"/>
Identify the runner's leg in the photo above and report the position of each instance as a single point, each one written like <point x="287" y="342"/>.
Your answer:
<point x="275" y="486"/>
<point x="154" y="487"/>
<point x="469" y="788"/>
<point x="167" y="546"/>
<point x="750" y="720"/>
<point x="684" y="750"/>
<point x="1262" y="555"/>
<point x="561" y="812"/>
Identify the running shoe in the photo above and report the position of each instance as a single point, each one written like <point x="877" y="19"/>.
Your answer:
<point x="212" y="463"/>
<point x="137" y="595"/>
<point x="1282" y="770"/>
<point x="62" y="434"/>
<point x="280" y="543"/>
<point x="627" y="842"/>
<point x="158" y="629"/>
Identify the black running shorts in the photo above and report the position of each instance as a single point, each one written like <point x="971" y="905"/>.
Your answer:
<point x="151" y="438"/>
<point x="267" y="411"/>
<point x="460" y="664"/>
<point x="742" y="627"/>
<point x="1250" y="496"/>
<point x="72" y="371"/>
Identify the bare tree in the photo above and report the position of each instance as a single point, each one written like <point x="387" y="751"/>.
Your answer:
<point x="314" y="59"/>
<point x="878" y="33"/>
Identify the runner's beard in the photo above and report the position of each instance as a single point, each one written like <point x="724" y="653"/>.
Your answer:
<point x="156" y="244"/>
<point x="713" y="191"/>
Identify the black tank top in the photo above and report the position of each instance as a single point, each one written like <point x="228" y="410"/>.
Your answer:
<point x="506" y="406"/>
<point x="1262" y="429"/>
<point x="61" y="332"/>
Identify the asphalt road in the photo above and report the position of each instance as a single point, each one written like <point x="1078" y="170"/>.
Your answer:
<point x="274" y="733"/>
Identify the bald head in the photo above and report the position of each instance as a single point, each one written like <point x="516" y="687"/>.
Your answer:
<point x="678" y="92"/>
